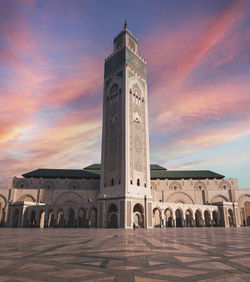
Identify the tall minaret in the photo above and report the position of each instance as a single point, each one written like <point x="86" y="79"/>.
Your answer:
<point x="125" y="195"/>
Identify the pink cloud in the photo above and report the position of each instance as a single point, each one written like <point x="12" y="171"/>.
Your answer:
<point x="173" y="55"/>
<point x="196" y="106"/>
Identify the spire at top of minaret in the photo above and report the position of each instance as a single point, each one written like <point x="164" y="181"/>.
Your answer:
<point x="125" y="39"/>
<point x="125" y="25"/>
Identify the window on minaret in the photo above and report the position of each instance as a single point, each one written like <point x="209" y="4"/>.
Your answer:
<point x="138" y="182"/>
<point x="112" y="182"/>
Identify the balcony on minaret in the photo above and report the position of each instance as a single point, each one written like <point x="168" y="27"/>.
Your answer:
<point x="125" y="38"/>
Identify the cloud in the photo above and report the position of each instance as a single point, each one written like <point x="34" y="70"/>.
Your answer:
<point x="173" y="55"/>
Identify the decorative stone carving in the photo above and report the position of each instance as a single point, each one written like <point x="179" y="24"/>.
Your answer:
<point x="48" y="184"/>
<point x="74" y="185"/>
<point x="219" y="198"/>
<point x="69" y="198"/>
<point x="225" y="185"/>
<point x="180" y="197"/>
<point x="22" y="184"/>
<point x="242" y="199"/>
<point x="200" y="185"/>
<point x="175" y="185"/>
<point x="27" y="198"/>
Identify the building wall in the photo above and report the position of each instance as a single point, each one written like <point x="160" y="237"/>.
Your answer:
<point x="194" y="191"/>
<point x="45" y="200"/>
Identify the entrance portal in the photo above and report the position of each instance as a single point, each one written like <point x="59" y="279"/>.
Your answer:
<point x="138" y="217"/>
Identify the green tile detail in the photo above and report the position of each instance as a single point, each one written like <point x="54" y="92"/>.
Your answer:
<point x="122" y="57"/>
<point x="135" y="63"/>
<point x="142" y="83"/>
<point x="136" y="86"/>
<point x="113" y="63"/>
<point x="130" y="74"/>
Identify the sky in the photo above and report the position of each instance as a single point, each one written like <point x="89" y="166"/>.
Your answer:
<point x="51" y="82"/>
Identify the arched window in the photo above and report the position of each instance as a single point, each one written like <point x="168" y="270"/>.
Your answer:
<point x="138" y="182"/>
<point x="131" y="181"/>
<point x="112" y="182"/>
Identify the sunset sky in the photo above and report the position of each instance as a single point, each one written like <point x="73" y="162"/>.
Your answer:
<point x="51" y="82"/>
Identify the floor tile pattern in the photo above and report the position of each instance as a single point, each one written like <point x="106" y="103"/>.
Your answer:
<point x="181" y="254"/>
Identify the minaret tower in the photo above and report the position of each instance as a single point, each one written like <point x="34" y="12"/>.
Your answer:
<point x="125" y="196"/>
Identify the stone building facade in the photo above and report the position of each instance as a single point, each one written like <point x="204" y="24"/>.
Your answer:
<point x="125" y="190"/>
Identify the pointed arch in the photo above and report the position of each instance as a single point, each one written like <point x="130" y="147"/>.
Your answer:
<point x="27" y="198"/>
<point x="180" y="197"/>
<point x="69" y="198"/>
<point x="219" y="198"/>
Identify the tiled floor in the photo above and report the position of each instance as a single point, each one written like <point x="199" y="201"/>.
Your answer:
<point x="181" y="254"/>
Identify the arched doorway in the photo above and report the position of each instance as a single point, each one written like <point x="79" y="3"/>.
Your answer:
<point x="248" y="221"/>
<point x="15" y="218"/>
<point x="70" y="218"/>
<point x="2" y="216"/>
<point x="33" y="219"/>
<point x="207" y="218"/>
<point x="138" y="216"/>
<point x="179" y="218"/>
<point x="93" y="217"/>
<point x="244" y="207"/>
<point x="215" y="219"/>
<point x="230" y="218"/>
<point x="60" y="219"/>
<point x="168" y="218"/>
<point x="112" y="216"/>
<point x="51" y="219"/>
<point x="189" y="218"/>
<point x="198" y="219"/>
<point x="157" y="218"/>
<point x="81" y="218"/>
<point x="247" y="212"/>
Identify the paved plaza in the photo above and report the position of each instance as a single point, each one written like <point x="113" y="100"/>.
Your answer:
<point x="181" y="254"/>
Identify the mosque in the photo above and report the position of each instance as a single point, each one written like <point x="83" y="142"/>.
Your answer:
<point x="125" y="190"/>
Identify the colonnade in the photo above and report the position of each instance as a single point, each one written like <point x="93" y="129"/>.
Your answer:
<point x="188" y="217"/>
<point x="64" y="216"/>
